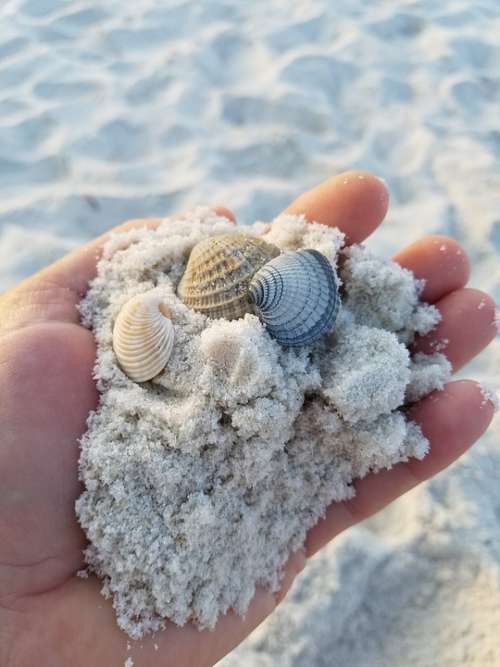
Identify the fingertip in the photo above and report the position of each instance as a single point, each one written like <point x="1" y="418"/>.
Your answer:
<point x="452" y="258"/>
<point x="440" y="261"/>
<point x="224" y="212"/>
<point x="467" y="326"/>
<point x="485" y="309"/>
<point x="375" y="191"/>
<point x="452" y="420"/>
<point x="482" y="310"/>
<point x="483" y="401"/>
<point x="371" y="197"/>
<point x="354" y="201"/>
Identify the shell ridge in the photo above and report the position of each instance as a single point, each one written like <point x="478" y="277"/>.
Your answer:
<point x="296" y="296"/>
<point x="218" y="273"/>
<point x="143" y="337"/>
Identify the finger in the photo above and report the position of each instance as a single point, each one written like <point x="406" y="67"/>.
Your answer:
<point x="54" y="292"/>
<point x="452" y="420"/>
<point x="224" y="213"/>
<point x="355" y="202"/>
<point x="467" y="327"/>
<point x="440" y="261"/>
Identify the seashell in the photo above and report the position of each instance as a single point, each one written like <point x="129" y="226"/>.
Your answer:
<point x="296" y="296"/>
<point x="218" y="272"/>
<point x="143" y="336"/>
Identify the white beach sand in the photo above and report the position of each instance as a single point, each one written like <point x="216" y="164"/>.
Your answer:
<point x="201" y="483"/>
<point x="116" y="110"/>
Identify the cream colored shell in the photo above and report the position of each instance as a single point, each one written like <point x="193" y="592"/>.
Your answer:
<point x="218" y="272"/>
<point x="143" y="337"/>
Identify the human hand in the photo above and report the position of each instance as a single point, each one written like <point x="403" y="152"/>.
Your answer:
<point x="50" y="617"/>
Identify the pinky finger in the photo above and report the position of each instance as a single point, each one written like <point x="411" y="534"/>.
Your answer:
<point x="452" y="420"/>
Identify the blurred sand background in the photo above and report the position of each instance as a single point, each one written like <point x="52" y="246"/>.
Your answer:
<point x="116" y="110"/>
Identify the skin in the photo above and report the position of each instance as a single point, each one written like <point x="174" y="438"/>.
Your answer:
<point x="50" y="617"/>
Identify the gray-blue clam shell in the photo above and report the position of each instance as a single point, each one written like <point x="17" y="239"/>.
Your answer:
<point x="296" y="296"/>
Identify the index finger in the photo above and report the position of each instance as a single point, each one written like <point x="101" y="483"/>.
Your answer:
<point x="355" y="202"/>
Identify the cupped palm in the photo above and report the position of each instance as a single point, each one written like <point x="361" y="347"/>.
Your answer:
<point x="48" y="616"/>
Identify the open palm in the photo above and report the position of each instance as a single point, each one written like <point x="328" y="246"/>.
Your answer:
<point x="50" y="617"/>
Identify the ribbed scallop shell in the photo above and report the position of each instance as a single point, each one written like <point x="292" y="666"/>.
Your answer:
<point x="143" y="337"/>
<point x="218" y="272"/>
<point x="296" y="296"/>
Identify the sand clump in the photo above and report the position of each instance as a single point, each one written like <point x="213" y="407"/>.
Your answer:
<point x="199" y="484"/>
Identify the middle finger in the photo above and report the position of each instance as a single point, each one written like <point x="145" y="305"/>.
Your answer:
<point x="467" y="326"/>
<point x="438" y="260"/>
<point x="467" y="316"/>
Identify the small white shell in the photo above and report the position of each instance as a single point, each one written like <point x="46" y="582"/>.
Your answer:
<point x="143" y="337"/>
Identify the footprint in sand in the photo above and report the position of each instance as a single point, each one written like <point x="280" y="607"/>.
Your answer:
<point x="81" y="18"/>
<point x="397" y="27"/>
<point x="19" y="173"/>
<point x="12" y="47"/>
<point x="322" y="75"/>
<point x="302" y="32"/>
<point x="473" y="94"/>
<point x="42" y="9"/>
<point x="115" y="141"/>
<point x="495" y="234"/>
<point x="26" y="136"/>
<point x="474" y="52"/>
<point x="65" y="90"/>
<point x="287" y="109"/>
<point x="278" y="157"/>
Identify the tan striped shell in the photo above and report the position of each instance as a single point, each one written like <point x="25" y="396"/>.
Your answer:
<point x="143" y="337"/>
<point x="218" y="272"/>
